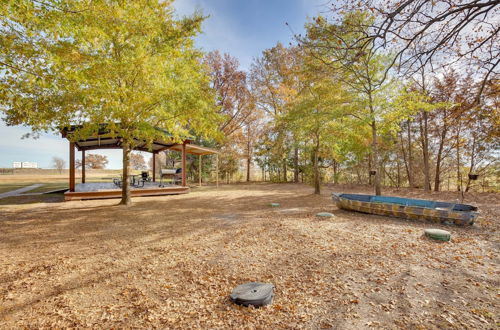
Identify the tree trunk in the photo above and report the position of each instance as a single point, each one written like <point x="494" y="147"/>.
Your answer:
<point x="375" y="157"/>
<point x="249" y="160"/>
<point x="459" y="173"/>
<point x="472" y="162"/>
<point x="408" y="160"/>
<point x="317" y="183"/>
<point x="398" y="164"/>
<point x="424" y="137"/>
<point x="370" y="181"/>
<point x="296" y="165"/>
<point x="125" y="183"/>
<point x="405" y="159"/>
<point x="393" y="182"/>
<point x="437" y="177"/>
<point x="439" y="158"/>
<point x="358" y="175"/>
<point x="285" y="172"/>
<point x="335" y="173"/>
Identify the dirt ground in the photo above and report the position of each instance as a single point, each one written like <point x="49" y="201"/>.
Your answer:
<point x="171" y="262"/>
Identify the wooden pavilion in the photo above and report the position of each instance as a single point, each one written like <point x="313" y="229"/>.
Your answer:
<point x="104" y="140"/>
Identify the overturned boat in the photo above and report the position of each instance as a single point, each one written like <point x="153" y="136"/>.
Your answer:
<point x="414" y="209"/>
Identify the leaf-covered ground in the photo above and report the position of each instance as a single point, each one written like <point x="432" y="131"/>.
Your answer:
<point x="172" y="261"/>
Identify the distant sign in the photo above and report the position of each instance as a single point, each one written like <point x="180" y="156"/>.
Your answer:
<point x="25" y="165"/>
<point x="30" y="165"/>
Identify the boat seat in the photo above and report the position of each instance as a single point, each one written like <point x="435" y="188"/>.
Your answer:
<point x="463" y="207"/>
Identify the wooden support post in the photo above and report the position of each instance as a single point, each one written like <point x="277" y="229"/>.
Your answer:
<point x="199" y="170"/>
<point x="184" y="183"/>
<point x="217" y="170"/>
<point x="71" y="166"/>
<point x="83" y="166"/>
<point x="154" y="166"/>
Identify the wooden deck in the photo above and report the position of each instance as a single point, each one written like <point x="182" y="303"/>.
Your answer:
<point x="100" y="190"/>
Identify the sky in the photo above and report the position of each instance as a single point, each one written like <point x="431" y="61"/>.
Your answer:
<point x="242" y="28"/>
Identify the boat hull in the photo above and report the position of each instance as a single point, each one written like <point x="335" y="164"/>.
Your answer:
<point x="444" y="216"/>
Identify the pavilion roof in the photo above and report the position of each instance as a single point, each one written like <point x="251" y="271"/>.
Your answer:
<point x="105" y="140"/>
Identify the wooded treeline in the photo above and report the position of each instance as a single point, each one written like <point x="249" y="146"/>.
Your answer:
<point x="340" y="106"/>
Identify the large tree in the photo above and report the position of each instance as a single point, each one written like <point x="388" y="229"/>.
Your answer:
<point x="274" y="84"/>
<point x="236" y="107"/>
<point x="137" y="161"/>
<point x="130" y="64"/>
<point x="93" y="161"/>
<point x="317" y="115"/>
<point x="363" y="71"/>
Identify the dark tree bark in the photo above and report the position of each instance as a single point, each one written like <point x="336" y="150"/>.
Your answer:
<point x="406" y="161"/>
<point x="249" y="159"/>
<point x="296" y="165"/>
<point x="374" y="152"/>
<point x="472" y="162"/>
<point x="335" y="172"/>
<point x="317" y="179"/>
<point x="358" y="176"/>
<point x="459" y="161"/>
<point x="398" y="164"/>
<point x="285" y="172"/>
<point x="370" y="182"/>
<point x="126" y="200"/>
<point x="411" y="181"/>
<point x="424" y="139"/>
<point x="376" y="162"/>
<point x="439" y="158"/>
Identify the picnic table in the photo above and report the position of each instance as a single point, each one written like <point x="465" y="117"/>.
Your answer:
<point x="134" y="181"/>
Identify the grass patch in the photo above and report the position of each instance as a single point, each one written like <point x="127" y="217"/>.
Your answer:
<point x="31" y="199"/>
